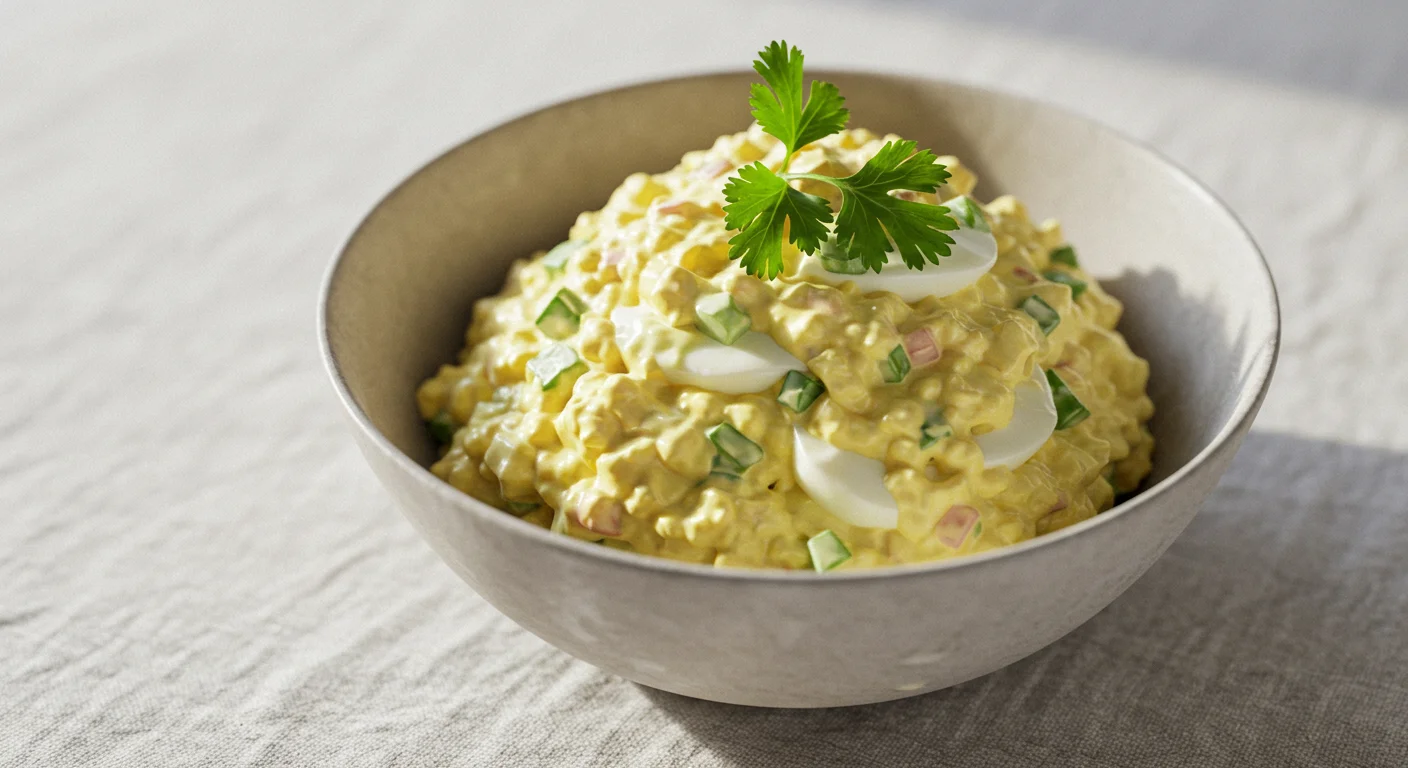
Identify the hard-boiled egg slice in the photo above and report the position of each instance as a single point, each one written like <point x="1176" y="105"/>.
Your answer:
<point x="846" y="484"/>
<point x="972" y="254"/>
<point x="753" y="363"/>
<point x="1033" y="421"/>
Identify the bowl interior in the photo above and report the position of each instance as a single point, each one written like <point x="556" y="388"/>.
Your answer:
<point x="1199" y="303"/>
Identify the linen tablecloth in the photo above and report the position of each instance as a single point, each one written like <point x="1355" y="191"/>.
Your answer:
<point x="196" y="568"/>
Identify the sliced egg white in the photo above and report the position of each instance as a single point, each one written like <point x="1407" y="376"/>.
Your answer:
<point x="753" y="363"/>
<point x="846" y="484"/>
<point x="972" y="254"/>
<point x="1033" y="421"/>
<point x="852" y="487"/>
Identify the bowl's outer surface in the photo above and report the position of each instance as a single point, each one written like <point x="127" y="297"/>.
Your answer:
<point x="1201" y="307"/>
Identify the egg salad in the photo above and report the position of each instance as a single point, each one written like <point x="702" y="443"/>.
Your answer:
<point x="635" y="387"/>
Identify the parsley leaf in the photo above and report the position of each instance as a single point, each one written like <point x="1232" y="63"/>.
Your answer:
<point x="759" y="203"/>
<point x="763" y="208"/>
<point x="870" y="218"/>
<point x="780" y="111"/>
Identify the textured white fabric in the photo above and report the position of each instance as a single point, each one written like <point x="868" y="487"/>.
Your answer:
<point x="196" y="568"/>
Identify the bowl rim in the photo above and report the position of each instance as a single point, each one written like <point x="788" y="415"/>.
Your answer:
<point x="1244" y="410"/>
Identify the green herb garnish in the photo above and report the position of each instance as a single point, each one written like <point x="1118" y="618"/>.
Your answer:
<point x="556" y="259"/>
<point x="1044" y="315"/>
<point x="935" y="428"/>
<point x="764" y="208"/>
<point x="719" y="318"/>
<point x="1064" y="255"/>
<point x="837" y="262"/>
<point x="827" y="551"/>
<point x="967" y="210"/>
<point x="1070" y="411"/>
<point x="442" y="428"/>
<point x="895" y="366"/>
<point x="1077" y="285"/>
<point x="551" y="363"/>
<point x="735" y="452"/>
<point x="799" y="391"/>
<point x="562" y="316"/>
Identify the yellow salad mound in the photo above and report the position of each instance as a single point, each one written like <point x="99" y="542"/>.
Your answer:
<point x="613" y="450"/>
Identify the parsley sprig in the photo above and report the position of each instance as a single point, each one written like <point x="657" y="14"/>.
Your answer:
<point x="764" y="208"/>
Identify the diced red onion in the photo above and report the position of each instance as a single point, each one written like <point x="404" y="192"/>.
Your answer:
<point x="919" y="345"/>
<point x="1061" y="502"/>
<point x="1025" y="274"/>
<point x="712" y="169"/>
<point x="613" y="257"/>
<point x="681" y="207"/>
<point x="955" y="525"/>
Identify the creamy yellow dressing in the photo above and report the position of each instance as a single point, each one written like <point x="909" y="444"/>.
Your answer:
<point x="623" y="458"/>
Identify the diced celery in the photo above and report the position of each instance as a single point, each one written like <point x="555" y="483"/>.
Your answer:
<point x="442" y="428"/>
<point x="562" y="316"/>
<point x="551" y="363"/>
<point x="556" y="259"/>
<point x="1069" y="410"/>
<point x="1065" y="255"/>
<point x="522" y="507"/>
<point x="967" y="212"/>
<point x="1077" y="285"/>
<point x="935" y="428"/>
<point x="799" y="391"/>
<point x="1042" y="313"/>
<point x="719" y="318"/>
<point x="734" y="447"/>
<point x="560" y="521"/>
<point x="895" y="366"/>
<point x="827" y="551"/>
<point x="835" y="259"/>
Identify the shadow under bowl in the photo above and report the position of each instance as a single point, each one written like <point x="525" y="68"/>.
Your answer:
<point x="1200" y="306"/>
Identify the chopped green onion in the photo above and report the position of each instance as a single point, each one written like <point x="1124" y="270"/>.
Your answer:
<point x="896" y="366"/>
<point x="724" y="467"/>
<point x="967" y="211"/>
<point x="551" y="363"/>
<point x="1069" y="410"/>
<point x="843" y="266"/>
<point x="442" y="428"/>
<point x="522" y="507"/>
<point x="720" y="319"/>
<point x="562" y="316"/>
<point x="1042" y="313"/>
<point x="1077" y="285"/>
<point x="1065" y="255"/>
<point x="827" y="551"/>
<point x="836" y="260"/>
<point x="556" y="259"/>
<point x="935" y="428"/>
<point x="799" y="391"/>
<point x="734" y="447"/>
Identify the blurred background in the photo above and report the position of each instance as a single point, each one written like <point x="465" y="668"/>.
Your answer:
<point x="1354" y="48"/>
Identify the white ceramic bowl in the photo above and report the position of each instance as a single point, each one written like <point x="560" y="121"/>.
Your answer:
<point x="1200" y="305"/>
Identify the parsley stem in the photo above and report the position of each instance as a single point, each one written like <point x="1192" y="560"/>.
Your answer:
<point x="832" y="180"/>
